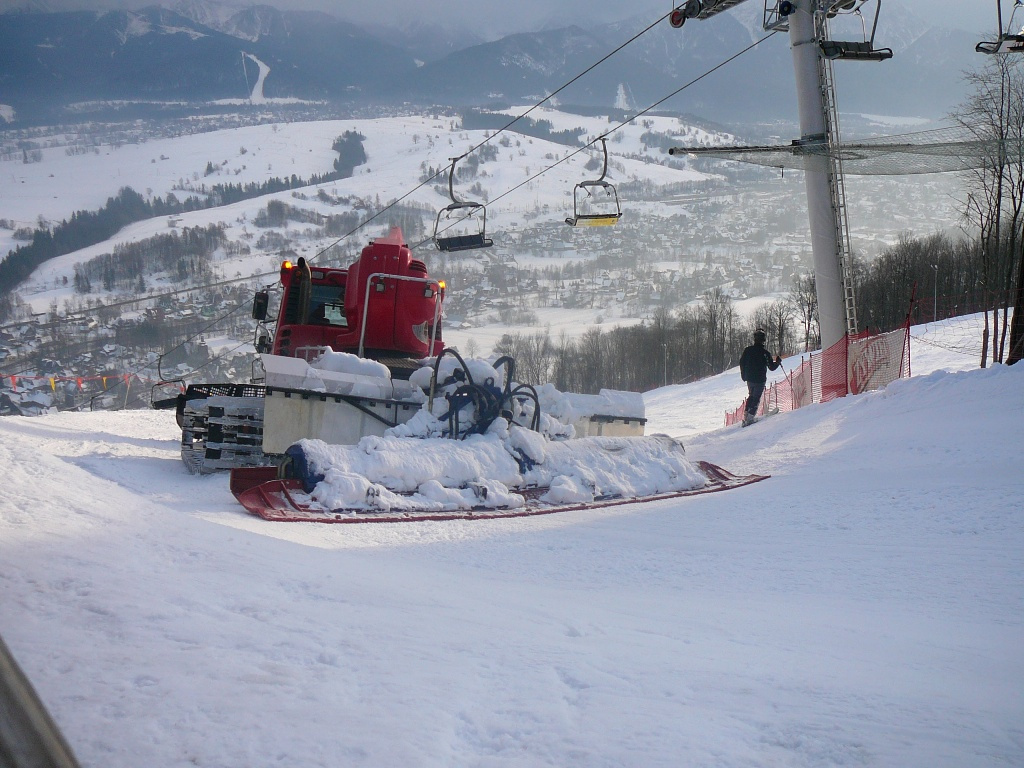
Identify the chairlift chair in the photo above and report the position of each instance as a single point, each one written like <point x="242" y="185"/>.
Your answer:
<point x="854" y="50"/>
<point x="606" y="218"/>
<point x="463" y="241"/>
<point x="1007" y="40"/>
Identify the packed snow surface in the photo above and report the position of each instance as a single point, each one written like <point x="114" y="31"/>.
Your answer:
<point x="864" y="606"/>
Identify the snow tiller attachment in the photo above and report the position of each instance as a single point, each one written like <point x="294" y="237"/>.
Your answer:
<point x="506" y="473"/>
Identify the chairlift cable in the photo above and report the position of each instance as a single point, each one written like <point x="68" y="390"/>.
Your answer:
<point x="492" y="136"/>
<point x="626" y="122"/>
<point x="622" y="124"/>
<point x="565" y="85"/>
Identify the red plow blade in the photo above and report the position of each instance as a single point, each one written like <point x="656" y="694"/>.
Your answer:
<point x="262" y="494"/>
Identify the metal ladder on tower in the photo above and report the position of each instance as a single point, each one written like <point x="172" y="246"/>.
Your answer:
<point x="836" y="178"/>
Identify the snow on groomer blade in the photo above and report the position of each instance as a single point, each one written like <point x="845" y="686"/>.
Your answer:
<point x="506" y="472"/>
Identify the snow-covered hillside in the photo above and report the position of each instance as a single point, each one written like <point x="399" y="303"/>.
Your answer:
<point x="864" y="606"/>
<point x="399" y="151"/>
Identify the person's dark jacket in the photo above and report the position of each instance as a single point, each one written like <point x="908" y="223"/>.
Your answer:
<point x="755" y="363"/>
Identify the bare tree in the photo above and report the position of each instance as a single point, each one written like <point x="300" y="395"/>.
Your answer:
<point x="533" y="353"/>
<point x="804" y="299"/>
<point x="994" y="208"/>
<point x="775" y="318"/>
<point x="719" y="321"/>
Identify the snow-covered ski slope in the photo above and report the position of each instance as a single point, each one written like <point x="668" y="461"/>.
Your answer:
<point x="864" y="606"/>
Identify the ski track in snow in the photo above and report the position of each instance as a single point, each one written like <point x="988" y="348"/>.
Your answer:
<point x="862" y="607"/>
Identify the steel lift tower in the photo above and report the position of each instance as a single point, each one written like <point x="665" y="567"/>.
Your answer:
<point x="807" y="22"/>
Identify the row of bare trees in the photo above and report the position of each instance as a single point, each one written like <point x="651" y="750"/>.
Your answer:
<point x="994" y="204"/>
<point x="949" y="275"/>
<point x="674" y="347"/>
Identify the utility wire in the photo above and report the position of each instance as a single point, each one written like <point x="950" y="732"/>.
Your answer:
<point x="624" y="123"/>
<point x="199" y="332"/>
<point x="203" y="330"/>
<point x="85" y="312"/>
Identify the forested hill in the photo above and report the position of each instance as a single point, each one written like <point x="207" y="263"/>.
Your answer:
<point x="86" y="228"/>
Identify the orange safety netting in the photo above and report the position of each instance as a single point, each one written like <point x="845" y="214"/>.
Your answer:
<point x="855" y="364"/>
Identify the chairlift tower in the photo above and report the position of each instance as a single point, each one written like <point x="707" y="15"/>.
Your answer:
<point x="807" y="22"/>
<point x="826" y="191"/>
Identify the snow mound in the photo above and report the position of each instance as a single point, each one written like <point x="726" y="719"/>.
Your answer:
<point x="437" y="474"/>
<point x="343" y="362"/>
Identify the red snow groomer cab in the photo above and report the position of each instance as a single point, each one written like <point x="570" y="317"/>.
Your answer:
<point x="384" y="307"/>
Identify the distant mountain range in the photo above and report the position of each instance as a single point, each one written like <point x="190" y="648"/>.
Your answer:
<point x="199" y="51"/>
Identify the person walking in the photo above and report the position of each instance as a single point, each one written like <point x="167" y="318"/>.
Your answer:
<point x="755" y="362"/>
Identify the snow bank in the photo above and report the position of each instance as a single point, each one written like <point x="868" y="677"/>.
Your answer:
<point x="343" y="362"/>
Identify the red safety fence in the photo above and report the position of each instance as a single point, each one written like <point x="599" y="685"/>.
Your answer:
<point x="851" y="366"/>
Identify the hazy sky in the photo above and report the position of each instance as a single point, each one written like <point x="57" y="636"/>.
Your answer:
<point x="517" y="15"/>
<point x="496" y="18"/>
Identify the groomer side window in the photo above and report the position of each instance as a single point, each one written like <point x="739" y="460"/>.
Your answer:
<point x="327" y="305"/>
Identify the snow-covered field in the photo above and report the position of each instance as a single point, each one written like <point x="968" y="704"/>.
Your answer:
<point x="864" y="606"/>
<point x="398" y="150"/>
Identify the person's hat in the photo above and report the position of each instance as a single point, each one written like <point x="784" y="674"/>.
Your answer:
<point x="760" y="335"/>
